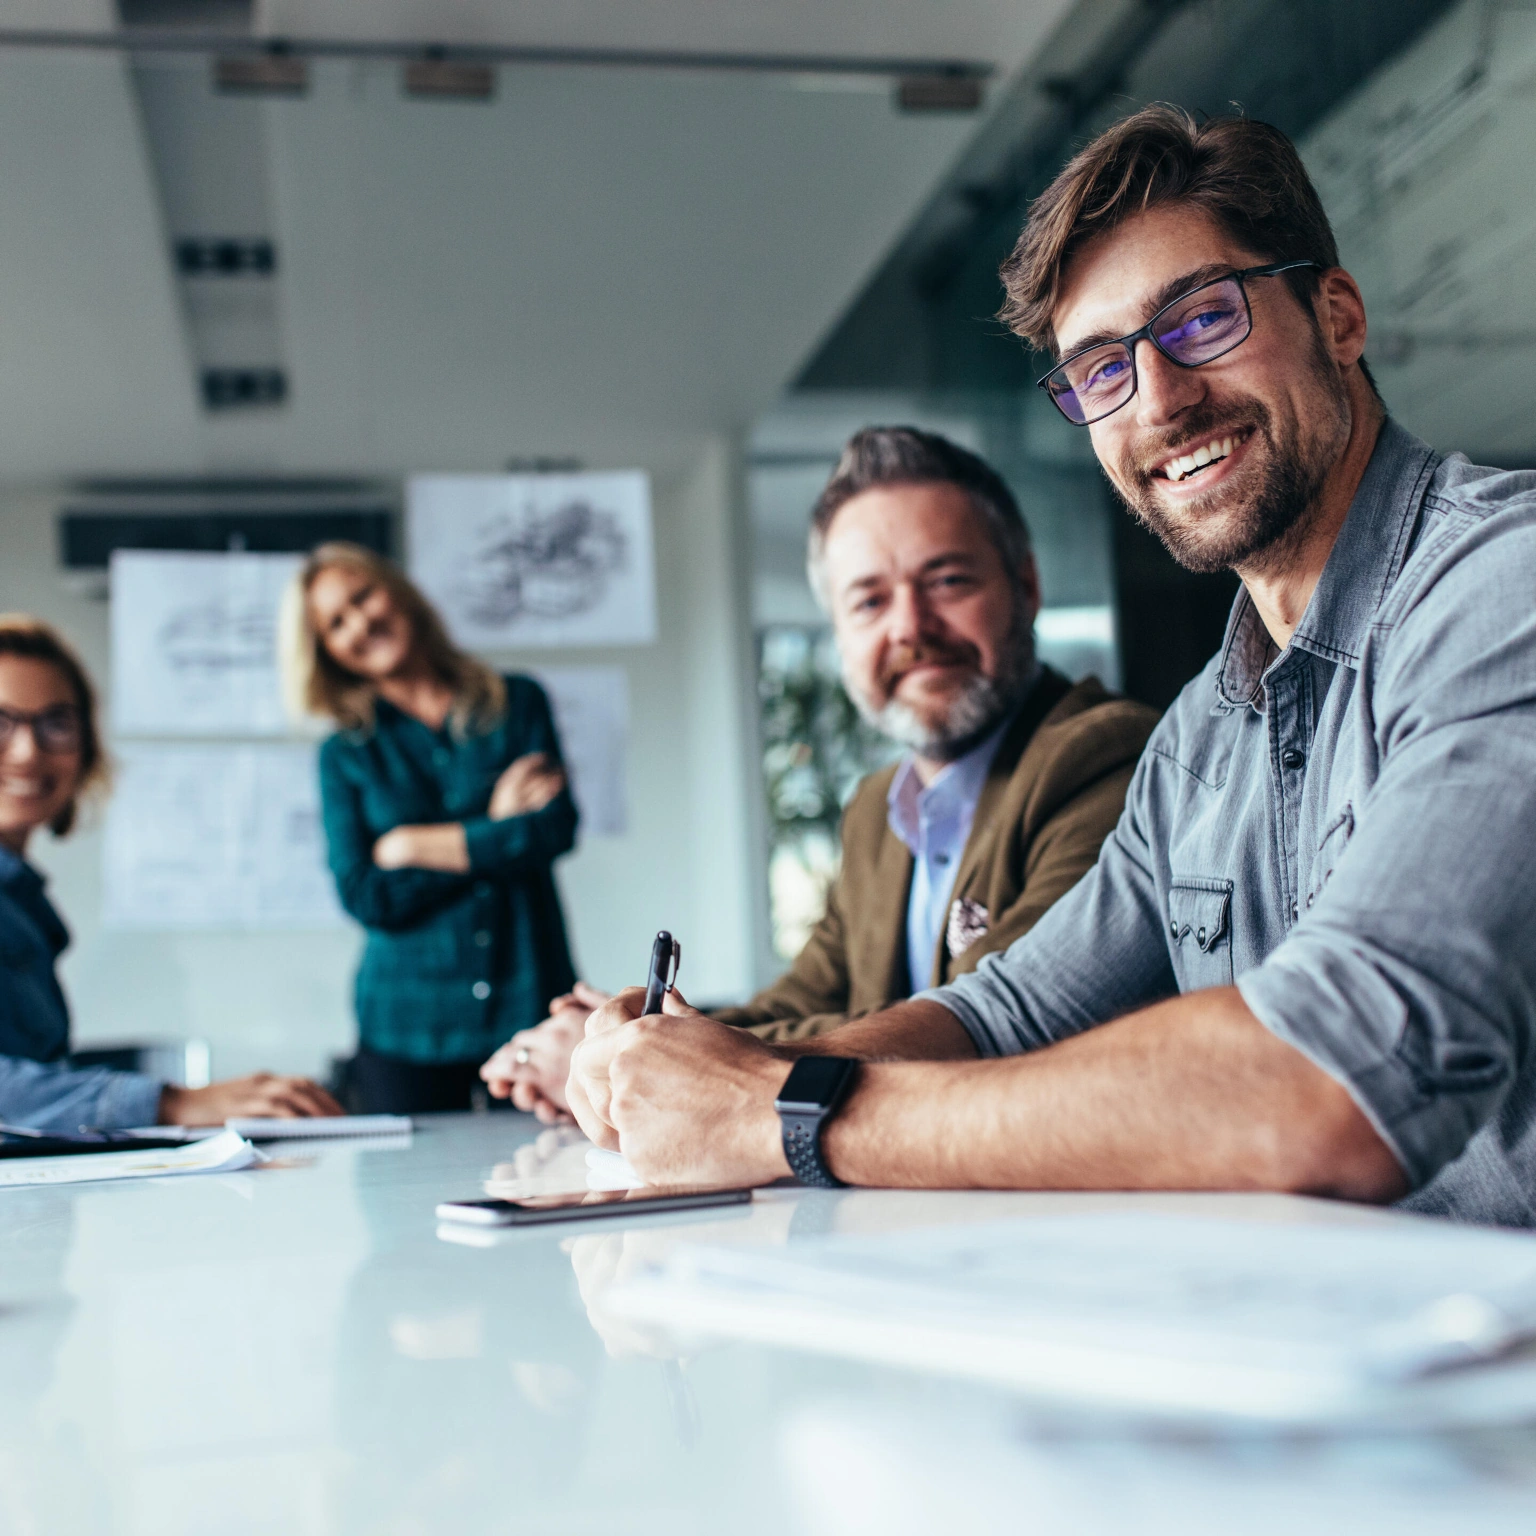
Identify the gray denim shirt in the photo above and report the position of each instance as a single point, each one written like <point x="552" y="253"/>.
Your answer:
<point x="1347" y="829"/>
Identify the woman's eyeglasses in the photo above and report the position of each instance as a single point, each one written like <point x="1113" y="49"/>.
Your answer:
<point x="56" y="729"/>
<point x="1197" y="327"/>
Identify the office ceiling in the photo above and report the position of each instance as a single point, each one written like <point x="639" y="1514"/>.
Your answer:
<point x="607" y="263"/>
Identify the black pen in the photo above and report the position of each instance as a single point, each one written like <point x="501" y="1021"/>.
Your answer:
<point x="666" y="956"/>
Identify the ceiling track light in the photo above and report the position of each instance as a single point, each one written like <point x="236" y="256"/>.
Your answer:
<point x="438" y="78"/>
<point x="273" y="73"/>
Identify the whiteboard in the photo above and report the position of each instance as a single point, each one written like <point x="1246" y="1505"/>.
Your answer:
<point x="216" y="837"/>
<point x="536" y="560"/>
<point x="194" y="643"/>
<point x="591" y="709"/>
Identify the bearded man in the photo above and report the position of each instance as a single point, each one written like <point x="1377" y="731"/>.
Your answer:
<point x="1012" y="779"/>
<point x="1303" y="961"/>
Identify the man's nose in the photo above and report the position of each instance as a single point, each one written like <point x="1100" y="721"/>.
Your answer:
<point x="909" y="617"/>
<point x="1163" y="389"/>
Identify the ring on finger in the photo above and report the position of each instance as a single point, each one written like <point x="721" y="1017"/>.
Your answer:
<point x="522" y="1055"/>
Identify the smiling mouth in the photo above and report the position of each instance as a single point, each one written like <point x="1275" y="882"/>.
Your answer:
<point x="1184" y="466"/>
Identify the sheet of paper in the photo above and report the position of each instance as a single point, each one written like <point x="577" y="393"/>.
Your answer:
<point x="536" y="560"/>
<point x="216" y="837"/>
<point x="194" y="648"/>
<point x="591" y="707"/>
<point x="223" y="1153"/>
<point x="1283" y="1320"/>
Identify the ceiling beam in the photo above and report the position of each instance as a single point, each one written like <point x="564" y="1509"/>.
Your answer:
<point x="143" y="40"/>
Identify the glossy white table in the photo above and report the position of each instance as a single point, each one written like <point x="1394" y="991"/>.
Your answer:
<point x="296" y="1350"/>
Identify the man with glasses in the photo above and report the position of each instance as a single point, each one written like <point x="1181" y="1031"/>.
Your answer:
<point x="1302" y="961"/>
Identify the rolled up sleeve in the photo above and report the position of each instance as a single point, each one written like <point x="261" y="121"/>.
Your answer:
<point x="1411" y="979"/>
<point x="1097" y="953"/>
<point x="52" y="1096"/>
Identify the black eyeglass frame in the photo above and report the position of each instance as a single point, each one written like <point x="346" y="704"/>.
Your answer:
<point x="13" y="720"/>
<point x="1147" y="333"/>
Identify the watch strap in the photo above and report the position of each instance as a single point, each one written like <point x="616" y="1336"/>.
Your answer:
<point x="802" y="1150"/>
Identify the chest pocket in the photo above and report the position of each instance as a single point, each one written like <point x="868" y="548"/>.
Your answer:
<point x="1200" y="932"/>
<point x="1329" y="851"/>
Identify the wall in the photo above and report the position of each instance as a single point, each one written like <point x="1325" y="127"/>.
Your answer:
<point x="687" y="861"/>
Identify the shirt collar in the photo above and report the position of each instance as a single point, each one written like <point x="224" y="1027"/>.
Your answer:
<point x="1364" y="562"/>
<point x="957" y="785"/>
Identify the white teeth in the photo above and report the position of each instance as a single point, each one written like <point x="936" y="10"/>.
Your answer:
<point x="1186" y="464"/>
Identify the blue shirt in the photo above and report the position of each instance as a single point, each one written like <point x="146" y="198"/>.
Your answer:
<point x="934" y="821"/>
<point x="37" y="1086"/>
<point x="1345" y="829"/>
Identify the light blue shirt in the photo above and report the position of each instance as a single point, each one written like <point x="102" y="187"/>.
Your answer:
<point x="1343" y="829"/>
<point x="935" y="823"/>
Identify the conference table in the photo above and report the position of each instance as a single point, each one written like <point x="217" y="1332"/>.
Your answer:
<point x="302" y="1348"/>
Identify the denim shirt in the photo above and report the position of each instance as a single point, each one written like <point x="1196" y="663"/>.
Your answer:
<point x="34" y="1018"/>
<point x="37" y="1087"/>
<point x="454" y="963"/>
<point x="1345" y="829"/>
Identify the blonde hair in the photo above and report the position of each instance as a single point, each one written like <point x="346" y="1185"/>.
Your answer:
<point x="23" y="635"/>
<point x="315" y="683"/>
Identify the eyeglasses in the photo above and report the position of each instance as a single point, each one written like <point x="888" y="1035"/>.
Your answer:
<point x="55" y="729"/>
<point x="1197" y="327"/>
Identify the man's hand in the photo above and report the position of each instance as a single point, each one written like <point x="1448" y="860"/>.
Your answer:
<point x="525" y="786"/>
<point x="262" y="1095"/>
<point x="531" y="1068"/>
<point x="441" y="847"/>
<point x="686" y="1100"/>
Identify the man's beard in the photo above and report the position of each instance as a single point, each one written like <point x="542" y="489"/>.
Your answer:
<point x="974" y="713"/>
<point x="1265" y="521"/>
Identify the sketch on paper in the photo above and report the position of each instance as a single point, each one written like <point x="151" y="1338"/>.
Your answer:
<point x="216" y="837"/>
<point x="591" y="709"/>
<point x="194" y="643"/>
<point x="536" y="560"/>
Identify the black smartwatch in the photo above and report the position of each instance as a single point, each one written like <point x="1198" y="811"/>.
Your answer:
<point x="816" y="1085"/>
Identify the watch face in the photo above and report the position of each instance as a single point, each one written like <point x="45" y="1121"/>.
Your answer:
<point x="814" y="1082"/>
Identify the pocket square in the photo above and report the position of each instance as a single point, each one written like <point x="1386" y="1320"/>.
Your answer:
<point x="968" y="920"/>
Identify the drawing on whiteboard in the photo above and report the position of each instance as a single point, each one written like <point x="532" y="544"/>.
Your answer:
<point x="552" y="565"/>
<point x="218" y="637"/>
<point x="536" y="560"/>
<point x="194" y="642"/>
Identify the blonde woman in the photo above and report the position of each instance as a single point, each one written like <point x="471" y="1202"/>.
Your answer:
<point x="50" y="757"/>
<point x="445" y="806"/>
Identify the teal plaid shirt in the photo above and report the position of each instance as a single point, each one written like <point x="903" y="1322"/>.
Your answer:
<point x="454" y="964"/>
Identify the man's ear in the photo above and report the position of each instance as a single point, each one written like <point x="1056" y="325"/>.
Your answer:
<point x="1340" y="309"/>
<point x="1029" y="584"/>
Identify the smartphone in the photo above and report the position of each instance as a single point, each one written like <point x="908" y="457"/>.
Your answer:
<point x="586" y="1203"/>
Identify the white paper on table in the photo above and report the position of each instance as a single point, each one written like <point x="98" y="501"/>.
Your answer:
<point x="210" y="837"/>
<point x="536" y="560"/>
<point x="194" y="643"/>
<point x="223" y="1153"/>
<point x="610" y="1170"/>
<point x="591" y="709"/>
<point x="1286" y="1321"/>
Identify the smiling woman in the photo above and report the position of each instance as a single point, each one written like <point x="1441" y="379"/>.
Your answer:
<point x="50" y="757"/>
<point x="445" y="806"/>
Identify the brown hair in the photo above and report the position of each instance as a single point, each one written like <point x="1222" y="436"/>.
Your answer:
<point x="314" y="683"/>
<point x="907" y="456"/>
<point x="23" y="635"/>
<point x="1245" y="175"/>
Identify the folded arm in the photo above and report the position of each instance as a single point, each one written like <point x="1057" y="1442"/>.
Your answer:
<point x="376" y="897"/>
